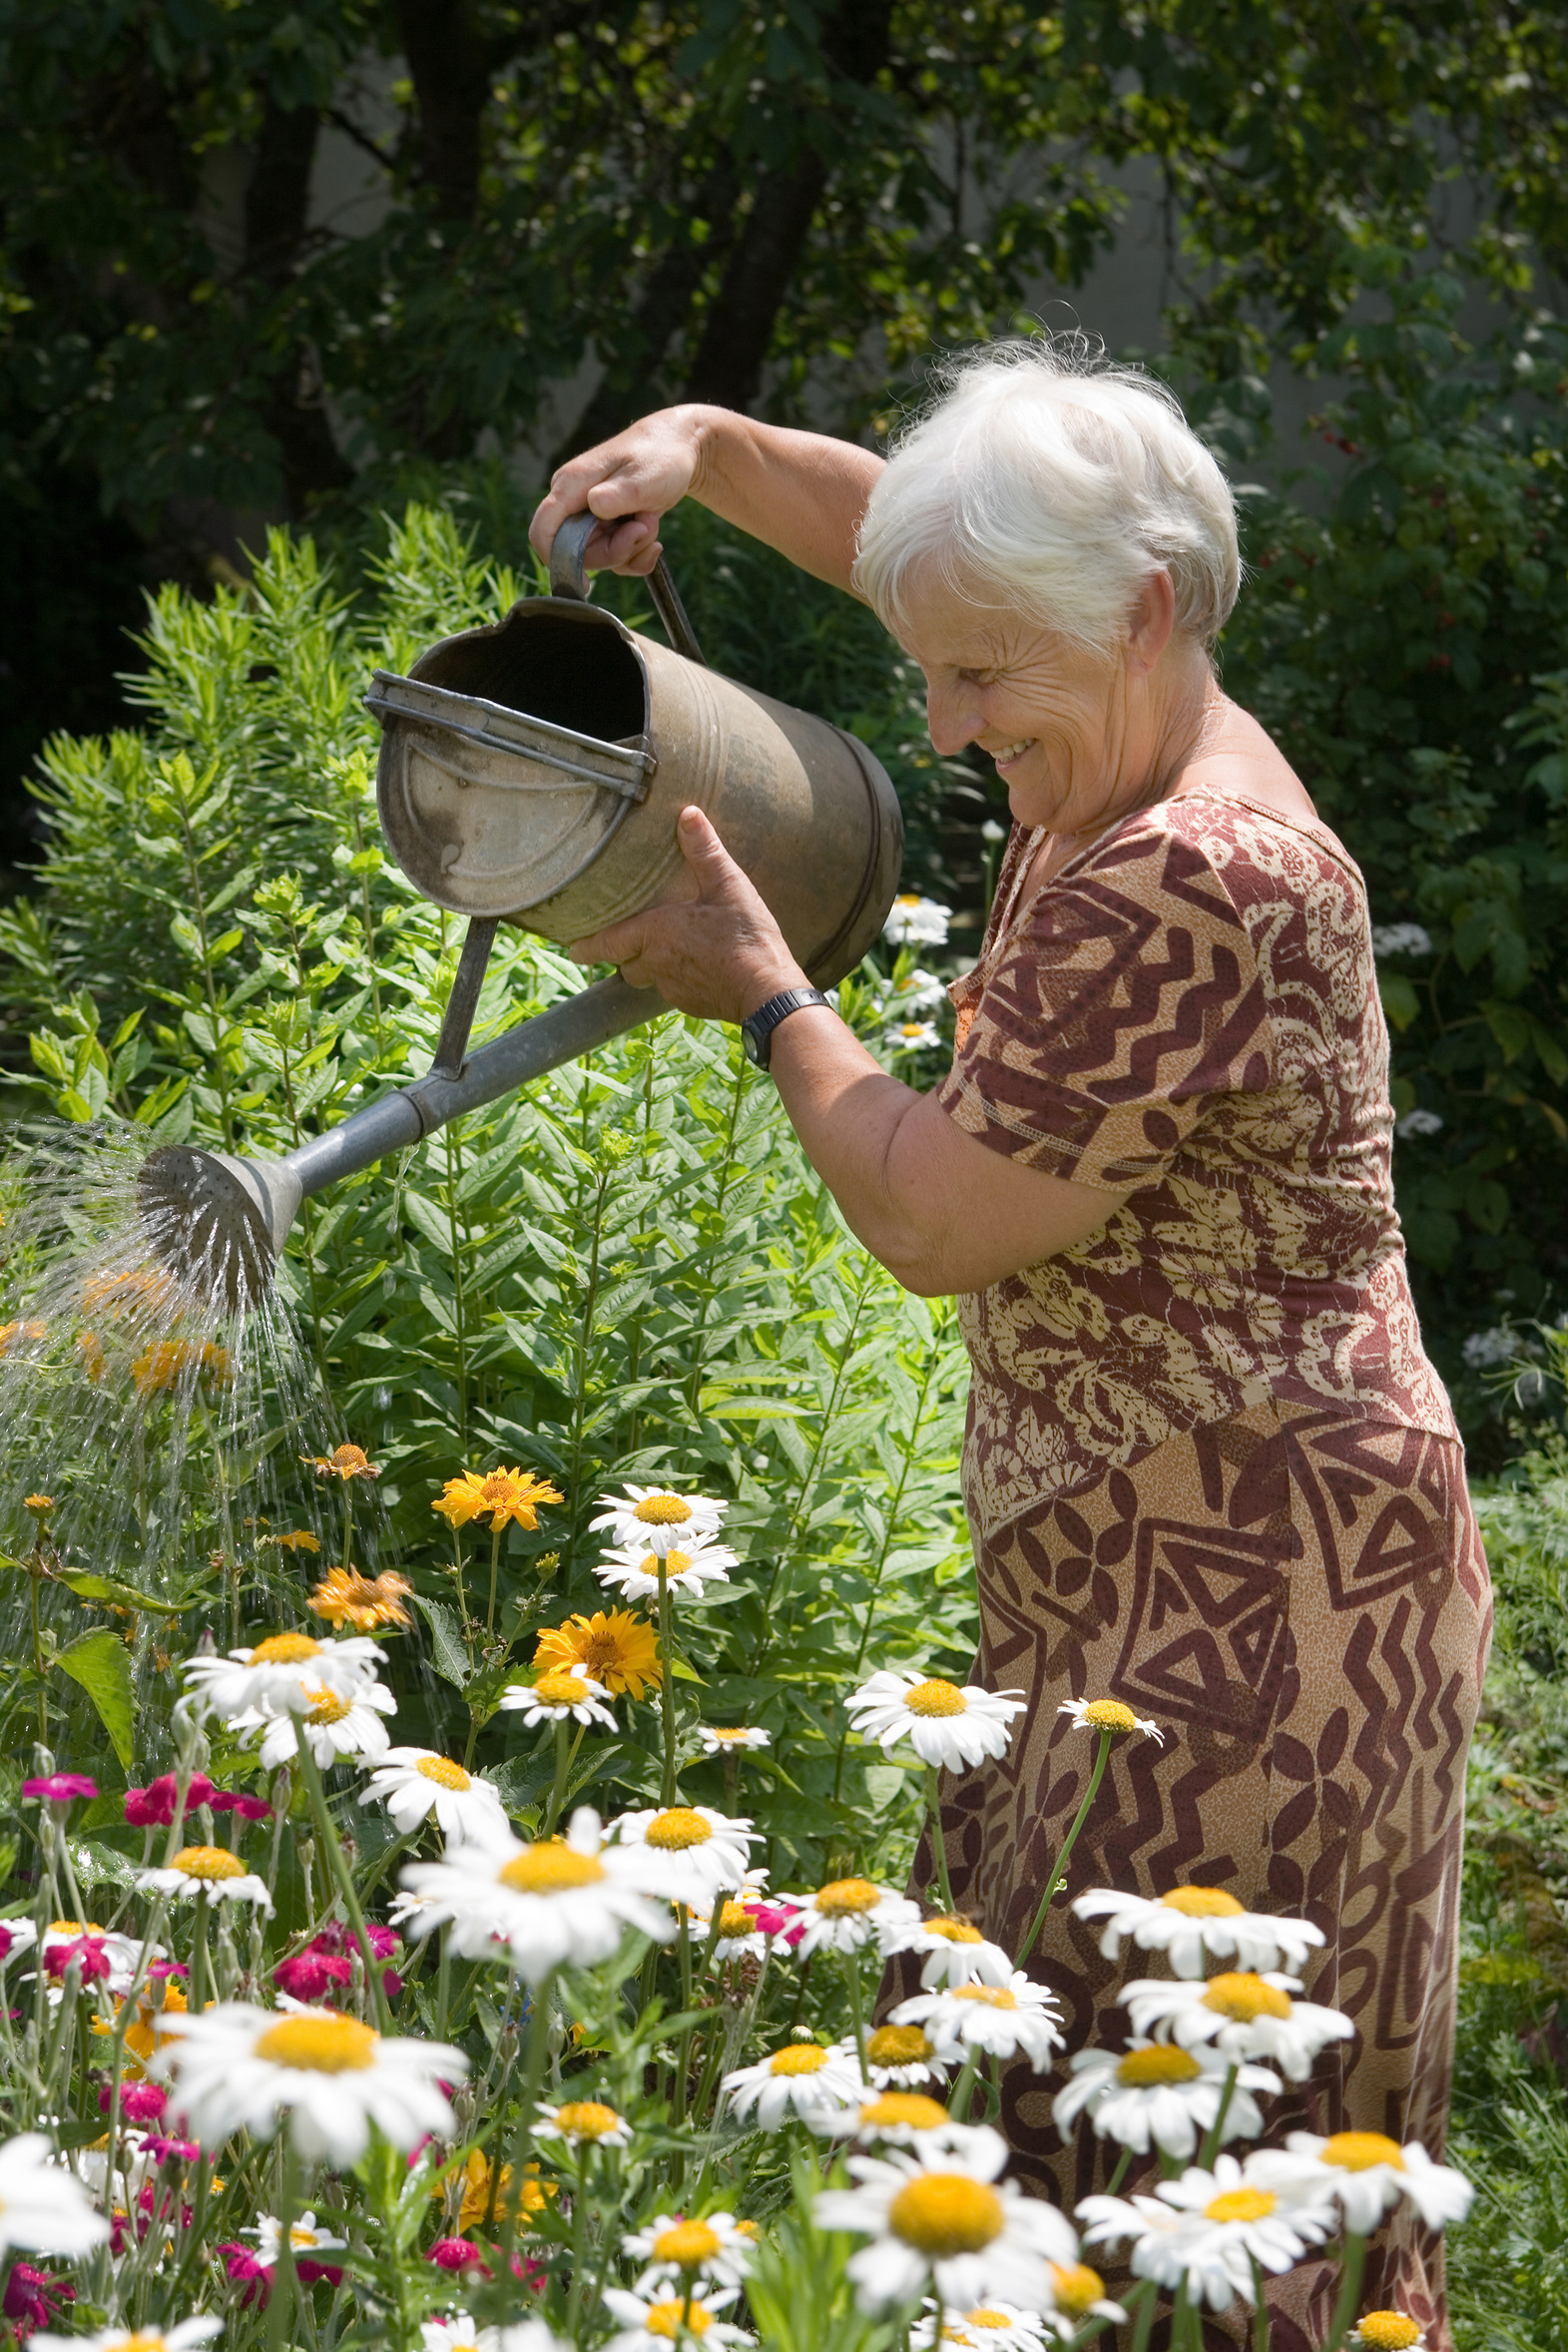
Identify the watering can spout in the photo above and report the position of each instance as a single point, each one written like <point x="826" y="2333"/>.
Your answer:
<point x="219" y="1222"/>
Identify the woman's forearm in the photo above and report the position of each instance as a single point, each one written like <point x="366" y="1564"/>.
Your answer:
<point x="802" y="493"/>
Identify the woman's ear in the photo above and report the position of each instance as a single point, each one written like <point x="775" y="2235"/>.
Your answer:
<point x="1153" y="623"/>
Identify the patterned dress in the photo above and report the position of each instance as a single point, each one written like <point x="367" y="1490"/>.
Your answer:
<point x="1210" y="1472"/>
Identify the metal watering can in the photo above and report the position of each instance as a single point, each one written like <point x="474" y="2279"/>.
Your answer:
<point x="532" y="772"/>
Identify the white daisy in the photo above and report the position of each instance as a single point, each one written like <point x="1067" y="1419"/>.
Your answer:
<point x="459" y="2331"/>
<point x="922" y="992"/>
<point x="632" y="1570"/>
<point x="1158" y="2094"/>
<point x="42" y="2207"/>
<point x="738" y="1937"/>
<point x="17" y="1936"/>
<point x="945" y="1723"/>
<point x="913" y="921"/>
<point x="415" y="1782"/>
<point x="281" y="1675"/>
<point x="182" y="2338"/>
<point x="647" y="2323"/>
<point x="936" y="2221"/>
<point x="209" y="1871"/>
<point x="952" y="1951"/>
<point x="584" y="2122"/>
<point x="713" y="2247"/>
<point x="1367" y="2173"/>
<point x="305" y="2236"/>
<point x="901" y="2057"/>
<point x="1003" y="2019"/>
<point x="1387" y="2331"/>
<point x="658" y="1519"/>
<point x="912" y="1036"/>
<point x="1080" y="2295"/>
<point x="1110" y="1715"/>
<point x="986" y="2327"/>
<point x="1225" y="2223"/>
<point x="905" y="2118"/>
<point x="847" y="1913"/>
<point x="541" y="1906"/>
<point x="1245" y="2014"/>
<point x="562" y="1694"/>
<point x="1191" y="1920"/>
<point x="801" y="2078"/>
<point x="235" y="2067"/>
<point x="729" y="1743"/>
<point x="337" y="1723"/>
<point x="710" y="1851"/>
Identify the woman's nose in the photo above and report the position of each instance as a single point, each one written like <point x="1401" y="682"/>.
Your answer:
<point x="951" y="715"/>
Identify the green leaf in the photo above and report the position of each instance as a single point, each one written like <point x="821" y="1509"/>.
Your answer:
<point x="101" y="1664"/>
<point x="1401" y="1002"/>
<point x="87" y="1585"/>
<point x="448" y="1656"/>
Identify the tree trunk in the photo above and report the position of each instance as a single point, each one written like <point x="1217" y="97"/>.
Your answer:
<point x="450" y="66"/>
<point x="276" y="216"/>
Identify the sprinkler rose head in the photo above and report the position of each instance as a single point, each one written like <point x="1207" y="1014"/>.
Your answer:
<point x="218" y="1223"/>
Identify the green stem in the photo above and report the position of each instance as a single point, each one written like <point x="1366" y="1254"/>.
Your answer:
<point x="852" y="1961"/>
<point x="1211" y="2145"/>
<point x="199" y="1957"/>
<point x="933" y="1812"/>
<point x="1123" y="2162"/>
<point x="1068" y="1843"/>
<point x="38" y="1663"/>
<point x="522" y="2137"/>
<point x="1259" y="2309"/>
<point x="1349" y="2290"/>
<point x="963" y="2090"/>
<point x="495" y="1564"/>
<point x="667" y="1686"/>
<point x="285" y="2279"/>
<point x="565" y="1756"/>
<point x="336" y="1863"/>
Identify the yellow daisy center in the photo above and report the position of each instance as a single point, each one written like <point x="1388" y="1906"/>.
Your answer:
<point x="735" y="1920"/>
<point x="663" y="1510"/>
<point x="847" y="1898"/>
<point x="1202" y="1903"/>
<point x="898" y="2046"/>
<point x="986" y="2317"/>
<point x="727" y="1736"/>
<point x="208" y="1862"/>
<point x="936" y="1697"/>
<point x="681" y="1827"/>
<point x="326" y="2044"/>
<point x="587" y="2119"/>
<point x="1358" y="2151"/>
<point x="559" y="1687"/>
<point x="688" y="2244"/>
<point x="668" y="2320"/>
<point x="142" y="2339"/>
<point x="1245" y="1998"/>
<point x="902" y="2107"/>
<point x="942" y="2215"/>
<point x="550" y="1870"/>
<point x="798" y="2057"/>
<point x="1241" y="2205"/>
<point x="1110" y="1715"/>
<point x="285" y="1649"/>
<point x="993" y="1995"/>
<point x="1142" y="2068"/>
<point x="326" y="1706"/>
<point x="676" y="1563"/>
<point x="954" y="1931"/>
<point x="1389" y="2331"/>
<point x="443" y="1772"/>
<point x="1076" y="2286"/>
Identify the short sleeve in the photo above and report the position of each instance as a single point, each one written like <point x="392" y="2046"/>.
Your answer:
<point x="1107" y="1022"/>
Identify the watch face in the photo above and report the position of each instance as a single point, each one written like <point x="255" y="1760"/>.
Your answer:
<point x="748" y="1044"/>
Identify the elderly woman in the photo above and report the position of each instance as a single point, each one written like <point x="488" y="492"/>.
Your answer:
<point x="1210" y="1474"/>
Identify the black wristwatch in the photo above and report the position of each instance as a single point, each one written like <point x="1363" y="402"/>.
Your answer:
<point x="757" y="1030"/>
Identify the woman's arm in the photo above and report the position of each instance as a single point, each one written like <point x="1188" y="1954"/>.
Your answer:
<point x="802" y="493"/>
<point x="940" y="1210"/>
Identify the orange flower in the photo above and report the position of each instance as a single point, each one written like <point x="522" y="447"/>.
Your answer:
<point x="345" y="1461"/>
<point x="10" y="1333"/>
<point x="505" y="1493"/>
<point x="343" y="1596"/>
<point x="127" y="1297"/>
<point x="91" y="1348"/>
<point x="618" y="1650"/>
<point x="297" y="1540"/>
<point x="160" y="1366"/>
<point x="476" y="2178"/>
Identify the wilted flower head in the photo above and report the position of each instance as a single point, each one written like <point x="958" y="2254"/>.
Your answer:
<point x="343" y="1597"/>
<point x="345" y="1461"/>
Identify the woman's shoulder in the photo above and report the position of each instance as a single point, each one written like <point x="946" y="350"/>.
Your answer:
<point x="1250" y="840"/>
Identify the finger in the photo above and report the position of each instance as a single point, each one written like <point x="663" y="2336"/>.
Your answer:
<point x="629" y="545"/>
<point x="622" y="943"/>
<point x="712" y="869"/>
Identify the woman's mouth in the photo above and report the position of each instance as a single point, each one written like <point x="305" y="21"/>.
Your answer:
<point x="1011" y="752"/>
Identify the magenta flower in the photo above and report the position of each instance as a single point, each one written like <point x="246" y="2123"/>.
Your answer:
<point x="139" y="2103"/>
<point x="154" y="1806"/>
<point x="310" y="1973"/>
<point x="235" y="1800"/>
<point x="61" y="1788"/>
<point x="459" y="2254"/>
<point x="172" y="2151"/>
<point x="87" y="1952"/>
<point x="34" y="2297"/>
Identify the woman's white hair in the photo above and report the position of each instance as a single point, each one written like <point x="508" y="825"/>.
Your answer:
<point x="1046" y="480"/>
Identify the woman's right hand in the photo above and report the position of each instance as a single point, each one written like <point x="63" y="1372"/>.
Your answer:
<point x="629" y="482"/>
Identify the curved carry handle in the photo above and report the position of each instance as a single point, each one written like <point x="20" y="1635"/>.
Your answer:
<point x="568" y="577"/>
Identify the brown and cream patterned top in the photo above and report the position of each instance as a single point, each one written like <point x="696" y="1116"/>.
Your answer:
<point x="1186" y="1009"/>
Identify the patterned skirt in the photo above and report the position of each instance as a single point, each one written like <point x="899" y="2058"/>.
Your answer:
<point x="1301" y="1601"/>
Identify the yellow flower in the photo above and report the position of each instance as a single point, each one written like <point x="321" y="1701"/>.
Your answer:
<point x="40" y="1505"/>
<point x="10" y="1333"/>
<point x="344" y="1597"/>
<point x="160" y="1366"/>
<point x="91" y="1348"/>
<point x="618" y="1650"/>
<point x="124" y="1298"/>
<point x="345" y="1461"/>
<point x="476" y="2177"/>
<point x="297" y="1540"/>
<point x="506" y="1494"/>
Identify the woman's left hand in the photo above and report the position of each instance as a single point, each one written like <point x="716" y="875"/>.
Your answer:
<point x="717" y="952"/>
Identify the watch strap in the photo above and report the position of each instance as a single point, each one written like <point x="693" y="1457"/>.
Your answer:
<point x="758" y="1026"/>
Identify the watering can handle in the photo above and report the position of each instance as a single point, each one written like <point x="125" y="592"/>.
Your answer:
<point x="568" y="577"/>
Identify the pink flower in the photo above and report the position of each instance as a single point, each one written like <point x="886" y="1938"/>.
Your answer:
<point x="235" y="1800"/>
<point x="154" y="1806"/>
<point x="310" y="1973"/>
<point x="460" y="2255"/>
<point x="139" y="2103"/>
<point x="245" y="2267"/>
<point x="172" y="2151"/>
<point x="34" y="2297"/>
<point x="61" y="1788"/>
<point x="88" y="1954"/>
<point x="160" y="1969"/>
<point x="779" y="1918"/>
<point x="336" y="1938"/>
<point x="392" y="1984"/>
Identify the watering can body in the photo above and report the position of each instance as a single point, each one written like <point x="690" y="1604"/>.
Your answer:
<point x="533" y="770"/>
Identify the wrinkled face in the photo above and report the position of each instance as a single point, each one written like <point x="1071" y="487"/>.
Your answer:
<point x="1061" y="725"/>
